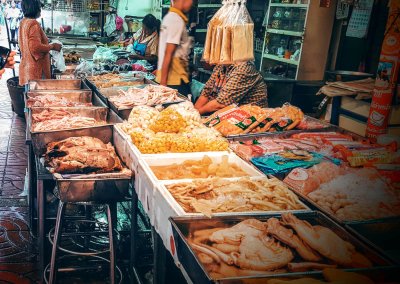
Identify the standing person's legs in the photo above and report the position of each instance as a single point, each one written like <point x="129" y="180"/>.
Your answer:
<point x="13" y="37"/>
<point x="183" y="88"/>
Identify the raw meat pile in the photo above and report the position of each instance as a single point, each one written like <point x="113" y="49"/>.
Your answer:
<point x="81" y="155"/>
<point x="253" y="247"/>
<point x="61" y="119"/>
<point x="349" y="194"/>
<point x="209" y="196"/>
<point x="53" y="101"/>
<point x="150" y="95"/>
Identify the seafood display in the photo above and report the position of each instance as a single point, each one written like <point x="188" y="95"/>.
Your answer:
<point x="203" y="168"/>
<point x="53" y="101"/>
<point x="253" y="247"/>
<point x="209" y="196"/>
<point x="233" y="120"/>
<point x="81" y="155"/>
<point x="176" y="129"/>
<point x="349" y="194"/>
<point x="149" y="95"/>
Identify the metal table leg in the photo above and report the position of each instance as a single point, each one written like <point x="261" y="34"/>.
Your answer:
<point x="31" y="206"/>
<point x="134" y="227"/>
<point x="41" y="225"/>
<point x="134" y="235"/>
<point x="160" y="255"/>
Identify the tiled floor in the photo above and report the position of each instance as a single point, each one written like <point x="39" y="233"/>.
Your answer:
<point x="17" y="255"/>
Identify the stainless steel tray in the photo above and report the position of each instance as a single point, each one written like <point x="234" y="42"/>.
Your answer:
<point x="57" y="85"/>
<point x="132" y="80"/>
<point x="315" y="205"/>
<point x="98" y="190"/>
<point x="40" y="139"/>
<point x="93" y="187"/>
<point x="378" y="275"/>
<point x="79" y="96"/>
<point x="182" y="226"/>
<point x="384" y="234"/>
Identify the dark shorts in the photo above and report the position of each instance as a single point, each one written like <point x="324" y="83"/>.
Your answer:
<point x="183" y="88"/>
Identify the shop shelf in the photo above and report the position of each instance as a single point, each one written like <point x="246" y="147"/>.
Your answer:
<point x="289" y="5"/>
<point x="284" y="32"/>
<point x="284" y="60"/>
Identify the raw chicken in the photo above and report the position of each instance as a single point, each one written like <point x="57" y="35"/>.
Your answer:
<point x="326" y="242"/>
<point x="53" y="101"/>
<point x="261" y="253"/>
<point x="82" y="155"/>
<point x="289" y="238"/>
<point x="234" y="234"/>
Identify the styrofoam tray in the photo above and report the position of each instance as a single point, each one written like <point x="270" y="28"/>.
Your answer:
<point x="166" y="206"/>
<point x="169" y="159"/>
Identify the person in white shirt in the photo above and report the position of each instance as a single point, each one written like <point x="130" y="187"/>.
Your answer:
<point x="14" y="15"/>
<point x="174" y="48"/>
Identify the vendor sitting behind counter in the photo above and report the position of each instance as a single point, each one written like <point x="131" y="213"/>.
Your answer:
<point x="145" y="40"/>
<point x="240" y="84"/>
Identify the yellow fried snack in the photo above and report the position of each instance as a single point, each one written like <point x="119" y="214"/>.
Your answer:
<point x="203" y="168"/>
<point x="168" y="121"/>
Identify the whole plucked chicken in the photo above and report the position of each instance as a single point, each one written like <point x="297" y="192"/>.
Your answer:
<point x="326" y="242"/>
<point x="82" y="155"/>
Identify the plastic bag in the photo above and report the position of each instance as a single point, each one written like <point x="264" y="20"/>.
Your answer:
<point x="230" y="34"/>
<point x="211" y="24"/>
<point x="58" y="58"/>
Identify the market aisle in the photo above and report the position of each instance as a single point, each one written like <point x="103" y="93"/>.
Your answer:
<point x="17" y="257"/>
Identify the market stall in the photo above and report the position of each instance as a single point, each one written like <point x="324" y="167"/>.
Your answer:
<point x="247" y="193"/>
<point x="184" y="168"/>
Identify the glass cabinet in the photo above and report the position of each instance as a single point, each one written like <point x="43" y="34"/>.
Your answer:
<point x="283" y="43"/>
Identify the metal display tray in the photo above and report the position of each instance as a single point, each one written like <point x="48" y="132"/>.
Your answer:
<point x="40" y="139"/>
<point x="377" y="275"/>
<point x="183" y="226"/>
<point x="384" y="234"/>
<point x="98" y="190"/>
<point x="315" y="205"/>
<point x="76" y="96"/>
<point x="96" y="90"/>
<point x="50" y="84"/>
<point x="93" y="187"/>
<point x="125" y="112"/>
<point x="96" y="101"/>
